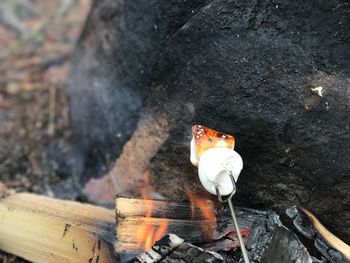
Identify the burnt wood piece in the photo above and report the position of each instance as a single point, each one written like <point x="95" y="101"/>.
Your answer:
<point x="131" y="214"/>
<point x="264" y="234"/>
<point x="334" y="249"/>
<point x="42" y="229"/>
<point x="173" y="249"/>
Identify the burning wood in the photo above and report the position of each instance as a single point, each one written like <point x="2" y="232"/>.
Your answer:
<point x="43" y="229"/>
<point x="136" y="218"/>
<point x="264" y="235"/>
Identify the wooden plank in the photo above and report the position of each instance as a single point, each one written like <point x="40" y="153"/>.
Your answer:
<point x="42" y="229"/>
<point x="127" y="206"/>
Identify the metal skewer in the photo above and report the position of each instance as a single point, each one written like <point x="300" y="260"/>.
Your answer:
<point x="233" y="214"/>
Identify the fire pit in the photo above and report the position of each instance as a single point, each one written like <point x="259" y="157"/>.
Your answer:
<point x="43" y="229"/>
<point x="148" y="230"/>
<point x="274" y="74"/>
<point x="137" y="228"/>
<point x="141" y="223"/>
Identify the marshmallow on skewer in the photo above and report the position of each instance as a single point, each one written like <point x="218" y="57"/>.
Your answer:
<point x="213" y="153"/>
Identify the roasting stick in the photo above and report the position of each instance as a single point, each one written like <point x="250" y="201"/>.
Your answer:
<point x="234" y="218"/>
<point x="219" y="167"/>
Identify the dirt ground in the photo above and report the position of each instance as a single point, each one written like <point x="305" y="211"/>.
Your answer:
<point x="36" y="40"/>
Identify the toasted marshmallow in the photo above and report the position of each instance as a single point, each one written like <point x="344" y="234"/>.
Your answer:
<point x="215" y="167"/>
<point x="204" y="138"/>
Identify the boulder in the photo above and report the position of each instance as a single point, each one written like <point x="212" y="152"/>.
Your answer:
<point x="275" y="74"/>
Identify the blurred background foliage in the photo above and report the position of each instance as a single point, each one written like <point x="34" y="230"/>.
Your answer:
<point x="37" y="38"/>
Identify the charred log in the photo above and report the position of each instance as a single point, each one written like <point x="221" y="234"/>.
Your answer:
<point x="331" y="247"/>
<point x="173" y="249"/>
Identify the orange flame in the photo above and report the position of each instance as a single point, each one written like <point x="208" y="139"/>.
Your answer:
<point x="146" y="233"/>
<point x="206" y="209"/>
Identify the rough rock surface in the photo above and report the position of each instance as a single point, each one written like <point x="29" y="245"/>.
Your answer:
<point x="273" y="73"/>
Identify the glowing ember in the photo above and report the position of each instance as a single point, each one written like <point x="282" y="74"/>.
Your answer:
<point x="147" y="234"/>
<point x="233" y="235"/>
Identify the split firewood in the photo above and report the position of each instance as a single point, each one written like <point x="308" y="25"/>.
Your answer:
<point x="136" y="216"/>
<point x="42" y="229"/>
<point x="173" y="249"/>
<point x="330" y="246"/>
<point x="139" y="223"/>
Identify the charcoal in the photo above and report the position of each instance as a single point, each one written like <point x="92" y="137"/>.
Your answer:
<point x="325" y="242"/>
<point x="285" y="247"/>
<point x="301" y="222"/>
<point x="172" y="249"/>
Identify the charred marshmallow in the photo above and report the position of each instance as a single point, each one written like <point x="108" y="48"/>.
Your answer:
<point x="213" y="153"/>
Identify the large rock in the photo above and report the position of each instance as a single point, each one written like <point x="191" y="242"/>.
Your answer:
<point x="114" y="65"/>
<point x="273" y="73"/>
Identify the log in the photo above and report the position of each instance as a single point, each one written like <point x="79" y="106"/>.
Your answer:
<point x="182" y="219"/>
<point x="42" y="229"/>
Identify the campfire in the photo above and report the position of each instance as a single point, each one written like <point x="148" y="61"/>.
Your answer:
<point x="43" y="229"/>
<point x="147" y="230"/>
<point x="179" y="131"/>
